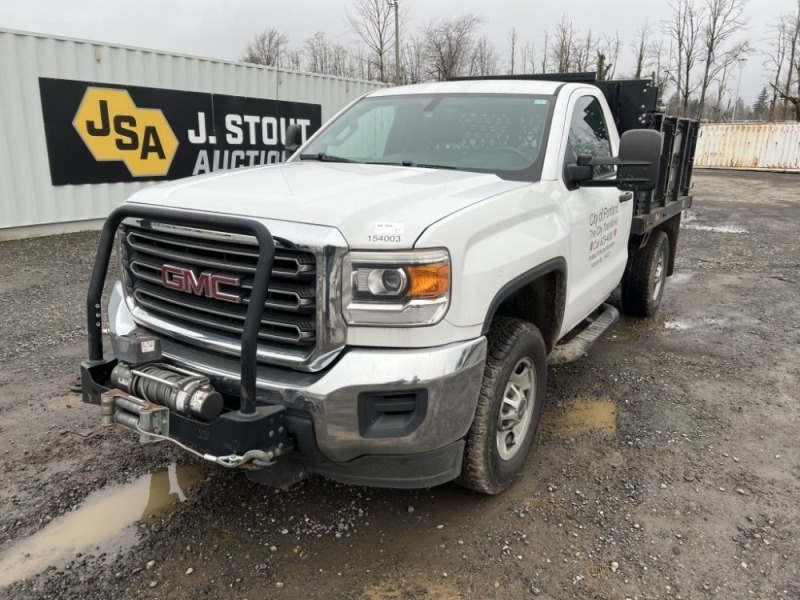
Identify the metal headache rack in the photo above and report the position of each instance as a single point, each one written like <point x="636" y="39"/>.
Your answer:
<point x="634" y="104"/>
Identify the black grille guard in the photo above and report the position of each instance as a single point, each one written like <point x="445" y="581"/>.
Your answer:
<point x="232" y="224"/>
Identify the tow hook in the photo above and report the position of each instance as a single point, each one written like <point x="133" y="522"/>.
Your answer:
<point x="252" y="459"/>
<point x="151" y="421"/>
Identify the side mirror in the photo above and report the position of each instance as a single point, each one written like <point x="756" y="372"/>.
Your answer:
<point x="578" y="174"/>
<point x="294" y="138"/>
<point x="642" y="149"/>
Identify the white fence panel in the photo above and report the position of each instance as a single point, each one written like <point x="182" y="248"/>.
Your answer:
<point x="767" y="146"/>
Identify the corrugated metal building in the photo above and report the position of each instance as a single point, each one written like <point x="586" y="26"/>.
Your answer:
<point x="77" y="116"/>
<point x="762" y="146"/>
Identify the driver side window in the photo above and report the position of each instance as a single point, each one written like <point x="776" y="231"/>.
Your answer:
<point x="588" y="133"/>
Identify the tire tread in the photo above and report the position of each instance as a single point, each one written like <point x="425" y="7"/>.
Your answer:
<point x="637" y="297"/>
<point x="502" y="337"/>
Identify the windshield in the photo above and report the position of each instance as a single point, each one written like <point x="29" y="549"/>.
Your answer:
<point x="501" y="134"/>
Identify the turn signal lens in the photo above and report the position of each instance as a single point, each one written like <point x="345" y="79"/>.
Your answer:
<point x="428" y="281"/>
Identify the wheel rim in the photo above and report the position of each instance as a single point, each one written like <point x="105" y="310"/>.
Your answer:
<point x="658" y="280"/>
<point x="516" y="411"/>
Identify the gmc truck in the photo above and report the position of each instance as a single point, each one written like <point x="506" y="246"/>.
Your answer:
<point x="381" y="309"/>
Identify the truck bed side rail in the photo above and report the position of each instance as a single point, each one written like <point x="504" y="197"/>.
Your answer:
<point x="217" y="222"/>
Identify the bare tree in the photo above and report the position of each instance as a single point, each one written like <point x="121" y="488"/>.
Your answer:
<point x="685" y="31"/>
<point x="512" y="42"/>
<point x="373" y="22"/>
<point x="776" y="59"/>
<point x="268" y="47"/>
<point x="583" y="54"/>
<point x="562" y="49"/>
<point x="661" y="65"/>
<point x="484" y="59"/>
<point x="322" y="56"/>
<point x="317" y="54"/>
<point x="414" y="60"/>
<point x="640" y="46"/>
<point x="448" y="46"/>
<point x="793" y="64"/>
<point x="545" y="50"/>
<point x="608" y="49"/>
<point x="723" y="19"/>
<point x="528" y="58"/>
<point x="721" y="74"/>
<point x="294" y="59"/>
<point x="794" y="101"/>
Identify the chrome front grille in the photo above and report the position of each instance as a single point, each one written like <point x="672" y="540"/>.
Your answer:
<point x="289" y="321"/>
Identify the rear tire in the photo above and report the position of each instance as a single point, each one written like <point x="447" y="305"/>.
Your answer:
<point x="509" y="407"/>
<point x="645" y="277"/>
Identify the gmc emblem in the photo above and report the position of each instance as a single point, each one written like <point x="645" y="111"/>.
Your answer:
<point x="206" y="284"/>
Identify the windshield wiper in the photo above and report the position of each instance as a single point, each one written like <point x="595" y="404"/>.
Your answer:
<point x="411" y="163"/>
<point x="408" y="163"/>
<point x="322" y="157"/>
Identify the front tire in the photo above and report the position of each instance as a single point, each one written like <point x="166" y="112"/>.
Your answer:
<point x="645" y="277"/>
<point x="509" y="406"/>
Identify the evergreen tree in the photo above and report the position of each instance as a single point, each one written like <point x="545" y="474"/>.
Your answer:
<point x="761" y="105"/>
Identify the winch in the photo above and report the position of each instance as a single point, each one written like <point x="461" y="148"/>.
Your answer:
<point x="144" y="391"/>
<point x="140" y="374"/>
<point x="184" y="392"/>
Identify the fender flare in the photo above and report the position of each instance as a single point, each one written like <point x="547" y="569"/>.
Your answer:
<point x="520" y="281"/>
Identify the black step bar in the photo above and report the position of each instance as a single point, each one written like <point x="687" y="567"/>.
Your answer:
<point x="217" y="222"/>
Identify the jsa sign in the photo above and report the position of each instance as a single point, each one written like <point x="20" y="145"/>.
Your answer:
<point x="98" y="133"/>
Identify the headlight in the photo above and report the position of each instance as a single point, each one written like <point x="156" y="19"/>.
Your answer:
<point x="396" y="289"/>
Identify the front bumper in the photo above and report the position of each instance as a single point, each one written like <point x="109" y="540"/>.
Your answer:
<point x="331" y="402"/>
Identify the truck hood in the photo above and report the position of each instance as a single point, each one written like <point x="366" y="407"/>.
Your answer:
<point x="359" y="200"/>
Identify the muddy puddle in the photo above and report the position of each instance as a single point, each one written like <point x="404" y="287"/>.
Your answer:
<point x="105" y="522"/>
<point x="716" y="228"/>
<point x="629" y="328"/>
<point x="710" y="323"/>
<point x="581" y="416"/>
<point x="690" y="221"/>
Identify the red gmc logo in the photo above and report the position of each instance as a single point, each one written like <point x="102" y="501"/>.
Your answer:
<point x="206" y="284"/>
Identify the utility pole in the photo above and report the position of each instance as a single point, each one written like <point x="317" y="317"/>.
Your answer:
<point x="738" y="86"/>
<point x="394" y="3"/>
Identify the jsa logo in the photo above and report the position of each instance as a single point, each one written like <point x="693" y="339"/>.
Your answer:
<point x="114" y="128"/>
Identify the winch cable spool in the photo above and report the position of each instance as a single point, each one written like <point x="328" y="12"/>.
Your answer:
<point x="184" y="392"/>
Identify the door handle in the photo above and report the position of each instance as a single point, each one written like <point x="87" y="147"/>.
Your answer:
<point x="626" y="196"/>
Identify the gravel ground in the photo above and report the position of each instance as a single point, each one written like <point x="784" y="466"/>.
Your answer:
<point x="667" y="466"/>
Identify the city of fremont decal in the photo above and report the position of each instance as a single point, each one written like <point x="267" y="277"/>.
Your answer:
<point x="103" y="133"/>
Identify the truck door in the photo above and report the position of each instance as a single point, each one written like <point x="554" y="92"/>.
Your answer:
<point x="601" y="219"/>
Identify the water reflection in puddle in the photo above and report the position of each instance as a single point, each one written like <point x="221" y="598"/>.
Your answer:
<point x="581" y="416"/>
<point x="104" y="522"/>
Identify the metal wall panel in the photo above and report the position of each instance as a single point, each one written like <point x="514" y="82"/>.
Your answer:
<point x="27" y="197"/>
<point x="768" y="146"/>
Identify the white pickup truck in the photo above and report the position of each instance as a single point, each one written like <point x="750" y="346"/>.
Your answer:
<point x="381" y="309"/>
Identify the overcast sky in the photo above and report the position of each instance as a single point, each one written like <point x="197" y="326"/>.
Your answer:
<point x="220" y="29"/>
